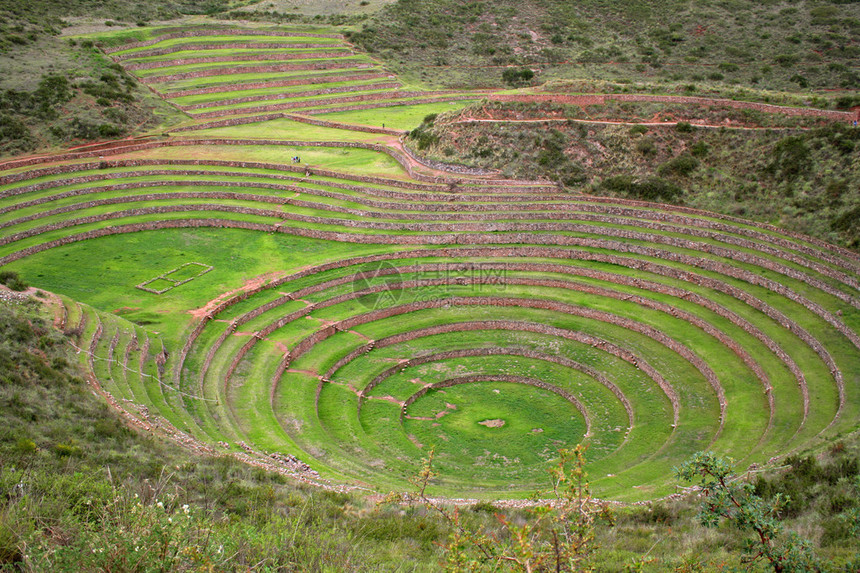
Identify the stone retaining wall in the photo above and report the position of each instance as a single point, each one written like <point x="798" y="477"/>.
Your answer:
<point x="563" y="269"/>
<point x="473" y="352"/>
<point x="533" y="327"/>
<point x="507" y="227"/>
<point x="600" y="99"/>
<point x="324" y="65"/>
<point x="386" y="104"/>
<point x="128" y="147"/>
<point x="288" y="95"/>
<point x="393" y="94"/>
<point x="280" y="56"/>
<point x="224" y="46"/>
<point x="559" y="213"/>
<point x="624" y="322"/>
<point x="340" y="125"/>
<point x="638" y="264"/>
<point x="553" y="306"/>
<point x="210" y="32"/>
<point x="450" y="167"/>
<point x="306" y="80"/>
<point x="527" y="238"/>
<point x="514" y="227"/>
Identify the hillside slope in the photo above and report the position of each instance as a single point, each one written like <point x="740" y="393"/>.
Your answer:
<point x="797" y="173"/>
<point x="797" y="45"/>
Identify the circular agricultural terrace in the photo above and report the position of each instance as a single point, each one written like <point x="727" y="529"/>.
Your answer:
<point x="494" y="321"/>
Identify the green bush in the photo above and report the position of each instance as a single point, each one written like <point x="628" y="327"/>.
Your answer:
<point x="648" y="189"/>
<point x="646" y="147"/>
<point x="684" y="164"/>
<point x="699" y="149"/>
<point x="638" y="129"/>
<point x="791" y="158"/>
<point x="683" y="127"/>
<point x="423" y="137"/>
<point x="517" y="77"/>
<point x="786" y="60"/>
<point x="13" y="281"/>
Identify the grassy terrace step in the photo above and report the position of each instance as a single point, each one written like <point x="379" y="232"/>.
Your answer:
<point x="118" y="355"/>
<point x="798" y="268"/>
<point x="224" y="40"/>
<point x="66" y="196"/>
<point x="214" y="35"/>
<point x="312" y="108"/>
<point x="183" y="64"/>
<point x="238" y="82"/>
<point x="620" y="220"/>
<point x="277" y="61"/>
<point x="215" y="51"/>
<point x="301" y="366"/>
<point x="298" y="101"/>
<point x="250" y="69"/>
<point x="158" y="52"/>
<point x="261" y="94"/>
<point x="719" y="250"/>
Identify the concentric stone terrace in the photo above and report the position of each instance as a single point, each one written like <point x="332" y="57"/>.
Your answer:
<point x="494" y="321"/>
<point x="226" y="77"/>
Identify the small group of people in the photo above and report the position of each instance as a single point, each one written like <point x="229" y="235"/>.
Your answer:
<point x="297" y="159"/>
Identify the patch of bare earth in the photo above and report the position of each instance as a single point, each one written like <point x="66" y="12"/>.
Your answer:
<point x="250" y="284"/>
<point x="497" y="423"/>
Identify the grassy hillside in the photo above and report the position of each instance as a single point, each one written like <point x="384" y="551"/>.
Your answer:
<point x="56" y="91"/>
<point x="800" y="175"/>
<point x="800" y="45"/>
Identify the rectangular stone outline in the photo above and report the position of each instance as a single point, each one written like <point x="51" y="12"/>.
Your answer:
<point x="163" y="276"/>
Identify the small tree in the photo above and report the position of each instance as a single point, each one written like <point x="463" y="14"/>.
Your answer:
<point x="727" y="498"/>
<point x="559" y="535"/>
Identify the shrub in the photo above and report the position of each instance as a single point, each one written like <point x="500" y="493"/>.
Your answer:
<point x="517" y="77"/>
<point x="649" y="189"/>
<point x="638" y="129"/>
<point x="684" y="164"/>
<point x="683" y="127"/>
<point x="799" y="80"/>
<point x="17" y="285"/>
<point x="423" y="137"/>
<point x="13" y="281"/>
<point x="791" y="158"/>
<point x="847" y="102"/>
<point x="430" y="118"/>
<point x="786" y="60"/>
<point x="646" y="146"/>
<point x="699" y="149"/>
